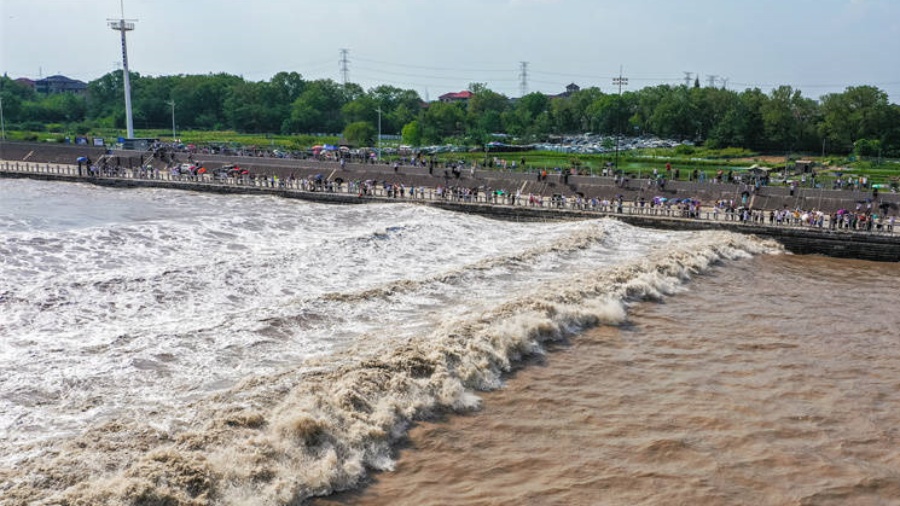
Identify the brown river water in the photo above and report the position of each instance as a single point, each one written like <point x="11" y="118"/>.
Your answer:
<point x="774" y="380"/>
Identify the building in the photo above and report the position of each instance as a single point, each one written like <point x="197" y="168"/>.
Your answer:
<point x="59" y="84"/>
<point x="571" y="89"/>
<point x="24" y="81"/>
<point x="450" y="98"/>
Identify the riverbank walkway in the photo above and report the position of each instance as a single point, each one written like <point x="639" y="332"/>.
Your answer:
<point x="852" y="234"/>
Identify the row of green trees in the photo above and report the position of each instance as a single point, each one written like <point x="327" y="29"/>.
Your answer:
<point x="861" y="119"/>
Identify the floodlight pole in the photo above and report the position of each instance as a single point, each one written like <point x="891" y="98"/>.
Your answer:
<point x="122" y="25"/>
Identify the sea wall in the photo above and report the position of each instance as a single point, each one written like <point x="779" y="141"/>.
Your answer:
<point x="801" y="240"/>
<point x="766" y="197"/>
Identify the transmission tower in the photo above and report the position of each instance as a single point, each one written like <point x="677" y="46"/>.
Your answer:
<point x="125" y="25"/>
<point x="523" y="76"/>
<point x="687" y="78"/>
<point x="724" y="81"/>
<point x="345" y="70"/>
<point x="711" y="80"/>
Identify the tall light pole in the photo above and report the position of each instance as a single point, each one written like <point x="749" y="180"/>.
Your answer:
<point x="619" y="81"/>
<point x="125" y="25"/>
<point x="172" y="103"/>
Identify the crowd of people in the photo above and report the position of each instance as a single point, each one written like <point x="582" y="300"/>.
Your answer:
<point x="869" y="215"/>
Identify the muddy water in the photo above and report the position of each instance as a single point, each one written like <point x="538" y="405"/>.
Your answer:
<point x="770" y="381"/>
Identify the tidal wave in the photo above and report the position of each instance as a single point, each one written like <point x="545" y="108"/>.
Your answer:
<point x="429" y="309"/>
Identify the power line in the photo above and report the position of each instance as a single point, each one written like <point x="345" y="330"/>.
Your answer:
<point x="506" y="90"/>
<point x="600" y="77"/>
<point x="424" y="67"/>
<point x="431" y="76"/>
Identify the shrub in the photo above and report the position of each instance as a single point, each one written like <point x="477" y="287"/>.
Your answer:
<point x="684" y="149"/>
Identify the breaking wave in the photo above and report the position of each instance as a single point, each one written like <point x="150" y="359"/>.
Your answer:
<point x="318" y="427"/>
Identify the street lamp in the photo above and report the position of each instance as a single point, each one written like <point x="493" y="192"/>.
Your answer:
<point x="172" y="103"/>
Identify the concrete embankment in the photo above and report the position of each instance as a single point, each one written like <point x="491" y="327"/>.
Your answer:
<point x="766" y="197"/>
<point x="799" y="240"/>
<point x="802" y="240"/>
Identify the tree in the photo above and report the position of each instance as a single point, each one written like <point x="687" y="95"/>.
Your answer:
<point x="285" y="87"/>
<point x="398" y="106"/>
<point x="412" y="133"/>
<point x="318" y="108"/>
<point x="441" y="121"/>
<point x="360" y="133"/>
<point x="570" y="114"/>
<point x="245" y="109"/>
<point x="361" y="109"/>
<point x="105" y="98"/>
<point x="484" y="113"/>
<point x="522" y="120"/>
<point x="675" y="115"/>
<point x="782" y="117"/>
<point x="733" y="129"/>
<point x="867" y="147"/>
<point x="13" y="95"/>
<point x="860" y="112"/>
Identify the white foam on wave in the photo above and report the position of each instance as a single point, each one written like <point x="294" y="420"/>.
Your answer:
<point x="421" y="338"/>
<point x="138" y="317"/>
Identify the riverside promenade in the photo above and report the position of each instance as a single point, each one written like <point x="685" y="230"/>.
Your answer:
<point x="500" y="196"/>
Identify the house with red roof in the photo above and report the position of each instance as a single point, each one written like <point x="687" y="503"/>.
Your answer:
<point x="450" y="98"/>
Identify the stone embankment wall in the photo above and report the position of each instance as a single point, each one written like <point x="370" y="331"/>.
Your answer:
<point x="768" y="197"/>
<point x="801" y="240"/>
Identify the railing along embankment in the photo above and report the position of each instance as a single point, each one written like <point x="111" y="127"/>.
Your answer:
<point x="843" y="238"/>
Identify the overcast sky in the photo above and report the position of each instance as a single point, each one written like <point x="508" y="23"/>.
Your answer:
<point x="433" y="47"/>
